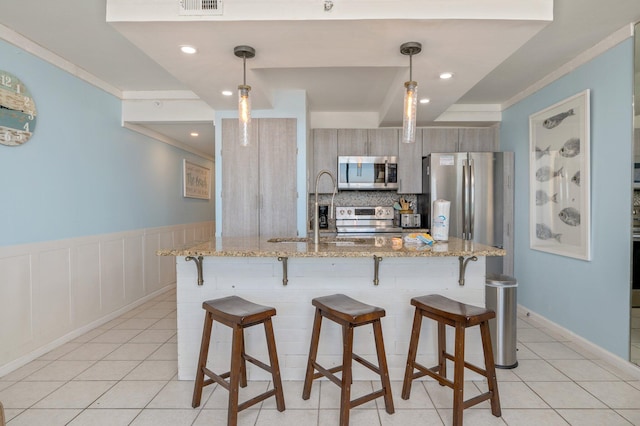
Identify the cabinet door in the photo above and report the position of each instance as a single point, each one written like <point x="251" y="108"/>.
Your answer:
<point x="239" y="182"/>
<point x="353" y="142"/>
<point x="439" y="140"/>
<point x="325" y="157"/>
<point x="410" y="166"/>
<point x="477" y="140"/>
<point x="383" y="141"/>
<point x="278" y="197"/>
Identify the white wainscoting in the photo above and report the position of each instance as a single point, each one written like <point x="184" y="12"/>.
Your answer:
<point x="52" y="292"/>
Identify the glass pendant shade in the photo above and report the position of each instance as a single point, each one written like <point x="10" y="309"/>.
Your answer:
<point x="244" y="102"/>
<point x="409" y="112"/>
<point x="244" y="114"/>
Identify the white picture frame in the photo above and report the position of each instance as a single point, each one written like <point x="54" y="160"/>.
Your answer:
<point x="196" y="181"/>
<point x="559" y="170"/>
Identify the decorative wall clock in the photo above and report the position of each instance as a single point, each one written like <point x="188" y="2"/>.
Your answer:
<point x="17" y="111"/>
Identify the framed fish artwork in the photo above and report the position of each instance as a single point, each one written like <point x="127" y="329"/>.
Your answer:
<point x="559" y="188"/>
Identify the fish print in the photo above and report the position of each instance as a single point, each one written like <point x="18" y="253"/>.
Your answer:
<point x="543" y="198"/>
<point x="570" y="216"/>
<point x="543" y="232"/>
<point x="571" y="148"/>
<point x="542" y="152"/>
<point x="555" y="121"/>
<point x="545" y="173"/>
<point x="576" y="178"/>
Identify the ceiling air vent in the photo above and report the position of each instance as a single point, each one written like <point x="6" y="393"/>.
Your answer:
<point x="200" y="7"/>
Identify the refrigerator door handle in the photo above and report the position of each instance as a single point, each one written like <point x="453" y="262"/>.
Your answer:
<point x="472" y="196"/>
<point x="465" y="199"/>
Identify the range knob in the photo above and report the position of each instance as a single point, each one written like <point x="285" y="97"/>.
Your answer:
<point x="349" y="212"/>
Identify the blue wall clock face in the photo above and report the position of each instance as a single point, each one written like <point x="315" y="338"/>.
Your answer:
<point x="17" y="111"/>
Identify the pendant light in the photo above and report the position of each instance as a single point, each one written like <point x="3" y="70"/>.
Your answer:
<point x="410" y="95"/>
<point x="244" y="102"/>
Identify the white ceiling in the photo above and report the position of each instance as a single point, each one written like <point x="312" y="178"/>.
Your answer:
<point x="346" y="60"/>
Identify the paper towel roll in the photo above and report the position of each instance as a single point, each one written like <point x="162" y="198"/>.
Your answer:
<point x="440" y="220"/>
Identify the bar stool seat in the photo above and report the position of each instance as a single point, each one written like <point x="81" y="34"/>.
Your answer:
<point x="459" y="315"/>
<point x="238" y="314"/>
<point x="349" y="313"/>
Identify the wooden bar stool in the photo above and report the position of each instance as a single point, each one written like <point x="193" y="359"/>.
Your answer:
<point x="238" y="314"/>
<point x="459" y="315"/>
<point x="349" y="313"/>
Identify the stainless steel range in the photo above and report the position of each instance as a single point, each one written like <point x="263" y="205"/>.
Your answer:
<point x="365" y="221"/>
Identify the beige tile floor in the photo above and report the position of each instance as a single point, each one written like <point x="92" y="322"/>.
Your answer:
<point x="124" y="373"/>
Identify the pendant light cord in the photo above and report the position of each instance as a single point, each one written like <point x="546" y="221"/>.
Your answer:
<point x="244" y="70"/>
<point x="410" y="67"/>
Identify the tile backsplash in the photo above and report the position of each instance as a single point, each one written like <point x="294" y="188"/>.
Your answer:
<point x="360" y="199"/>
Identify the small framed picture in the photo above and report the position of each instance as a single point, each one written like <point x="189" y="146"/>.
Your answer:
<point x="196" y="181"/>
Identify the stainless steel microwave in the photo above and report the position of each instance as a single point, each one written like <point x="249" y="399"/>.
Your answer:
<point x="367" y="173"/>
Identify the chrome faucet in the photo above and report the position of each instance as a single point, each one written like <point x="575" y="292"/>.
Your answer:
<point x="316" y="219"/>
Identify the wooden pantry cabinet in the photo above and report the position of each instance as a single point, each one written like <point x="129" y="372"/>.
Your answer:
<point x="259" y="191"/>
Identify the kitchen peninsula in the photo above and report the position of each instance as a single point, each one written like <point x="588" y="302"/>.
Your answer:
<point x="288" y="272"/>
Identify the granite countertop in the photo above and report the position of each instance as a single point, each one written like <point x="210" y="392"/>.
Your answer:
<point x="328" y="247"/>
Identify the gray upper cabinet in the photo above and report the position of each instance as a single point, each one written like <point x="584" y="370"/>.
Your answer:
<point x="259" y="181"/>
<point x="325" y="157"/>
<point x="410" y="166"/>
<point x="368" y="141"/>
<point x="478" y="139"/>
<point x="383" y="142"/>
<point x="353" y="142"/>
<point x="436" y="139"/>
<point x="475" y="139"/>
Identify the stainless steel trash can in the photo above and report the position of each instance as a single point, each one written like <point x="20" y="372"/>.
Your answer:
<point x="501" y="296"/>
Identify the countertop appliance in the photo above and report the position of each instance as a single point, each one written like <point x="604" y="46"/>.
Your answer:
<point x="367" y="173"/>
<point x="363" y="221"/>
<point x="477" y="184"/>
<point x="409" y="220"/>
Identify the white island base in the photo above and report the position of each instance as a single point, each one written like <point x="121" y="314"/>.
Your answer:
<point x="260" y="280"/>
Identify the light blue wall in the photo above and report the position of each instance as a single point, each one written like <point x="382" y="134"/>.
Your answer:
<point x="590" y="298"/>
<point x="286" y="104"/>
<point x="82" y="173"/>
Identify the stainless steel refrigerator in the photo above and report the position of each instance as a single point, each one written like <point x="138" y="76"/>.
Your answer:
<point x="479" y="186"/>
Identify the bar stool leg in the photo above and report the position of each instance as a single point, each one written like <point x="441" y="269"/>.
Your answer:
<point x="275" y="367"/>
<point x="234" y="375"/>
<point x="243" y="367"/>
<point x="411" y="357"/>
<point x="202" y="360"/>
<point x="442" y="349"/>
<point x="490" y="368"/>
<point x="313" y="351"/>
<point x="382" y="366"/>
<point x="347" y="356"/>
<point x="458" y="376"/>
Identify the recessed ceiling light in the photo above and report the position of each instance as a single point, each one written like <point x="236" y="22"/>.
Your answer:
<point x="227" y="92"/>
<point x="446" y="75"/>
<point x="425" y="100"/>
<point x="194" y="134"/>
<point x="188" y="49"/>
